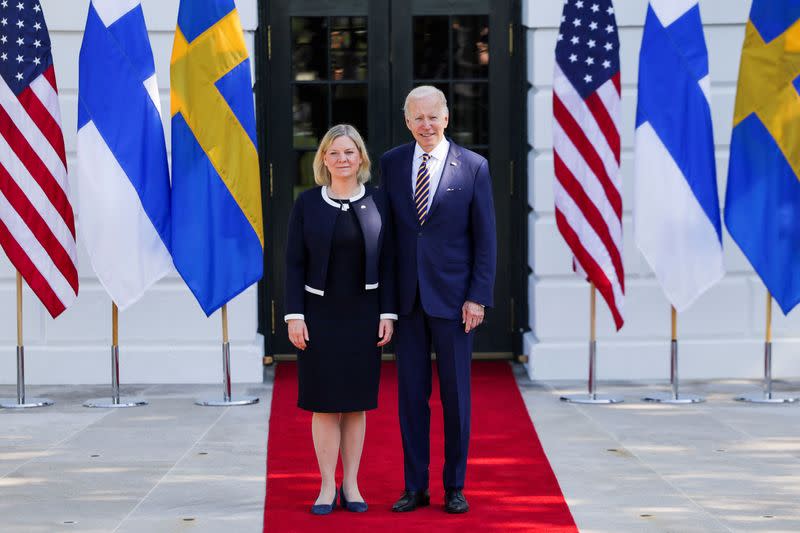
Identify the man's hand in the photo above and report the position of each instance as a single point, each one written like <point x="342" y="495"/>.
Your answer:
<point x="385" y="331"/>
<point x="471" y="315"/>
<point x="298" y="333"/>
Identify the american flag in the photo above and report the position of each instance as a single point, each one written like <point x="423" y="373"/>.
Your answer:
<point x="586" y="145"/>
<point x="37" y="226"/>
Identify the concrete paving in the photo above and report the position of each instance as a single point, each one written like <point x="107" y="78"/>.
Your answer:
<point x="172" y="466"/>
<point x="166" y="467"/>
<point x="635" y="466"/>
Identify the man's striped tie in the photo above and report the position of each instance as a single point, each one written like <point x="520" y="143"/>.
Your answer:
<point x="423" y="189"/>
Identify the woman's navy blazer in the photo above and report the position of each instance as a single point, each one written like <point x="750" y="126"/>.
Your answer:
<point x="308" y="247"/>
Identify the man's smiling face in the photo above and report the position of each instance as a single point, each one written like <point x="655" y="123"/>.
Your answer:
<point x="427" y="119"/>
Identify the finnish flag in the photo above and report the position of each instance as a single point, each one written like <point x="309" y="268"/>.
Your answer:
<point x="123" y="183"/>
<point x="676" y="209"/>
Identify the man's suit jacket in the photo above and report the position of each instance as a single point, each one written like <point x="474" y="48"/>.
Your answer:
<point x="452" y="257"/>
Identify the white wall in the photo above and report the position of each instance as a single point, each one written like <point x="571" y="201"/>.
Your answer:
<point x="722" y="334"/>
<point x="167" y="338"/>
<point x="164" y="338"/>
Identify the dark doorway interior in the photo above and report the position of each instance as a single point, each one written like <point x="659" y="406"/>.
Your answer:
<point x="323" y="62"/>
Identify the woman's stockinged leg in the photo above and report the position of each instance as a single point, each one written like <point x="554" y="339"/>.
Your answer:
<point x="354" y="427"/>
<point x="326" y="432"/>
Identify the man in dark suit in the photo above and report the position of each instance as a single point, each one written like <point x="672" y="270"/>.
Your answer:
<point x="446" y="248"/>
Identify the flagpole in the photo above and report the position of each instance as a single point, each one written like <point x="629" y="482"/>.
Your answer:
<point x="592" y="397"/>
<point x="115" y="400"/>
<point x="592" y="340"/>
<point x="674" y="397"/>
<point x="226" y="356"/>
<point x="673" y="360"/>
<point x="767" y="396"/>
<point x="226" y="372"/>
<point x="20" y="345"/>
<point x="21" y="402"/>
<point x="114" y="353"/>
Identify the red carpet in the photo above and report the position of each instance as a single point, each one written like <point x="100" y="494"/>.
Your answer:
<point x="510" y="485"/>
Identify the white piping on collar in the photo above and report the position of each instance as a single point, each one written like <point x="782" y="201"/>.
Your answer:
<point x="359" y="195"/>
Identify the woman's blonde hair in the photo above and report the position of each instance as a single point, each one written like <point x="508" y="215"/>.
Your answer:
<point x="321" y="174"/>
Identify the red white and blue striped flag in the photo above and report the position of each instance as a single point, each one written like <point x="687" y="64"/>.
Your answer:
<point x="37" y="226"/>
<point x="586" y="146"/>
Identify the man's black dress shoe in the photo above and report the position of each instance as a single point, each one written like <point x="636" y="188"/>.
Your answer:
<point x="455" y="502"/>
<point x="411" y="499"/>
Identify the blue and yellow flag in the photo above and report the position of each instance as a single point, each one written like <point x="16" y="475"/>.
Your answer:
<point x="762" y="206"/>
<point x="217" y="226"/>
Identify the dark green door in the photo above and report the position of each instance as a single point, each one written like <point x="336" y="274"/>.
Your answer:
<point x="354" y="61"/>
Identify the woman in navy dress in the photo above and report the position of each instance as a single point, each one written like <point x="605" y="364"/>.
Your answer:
<point x="340" y="306"/>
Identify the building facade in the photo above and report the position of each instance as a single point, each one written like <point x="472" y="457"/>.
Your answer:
<point x="317" y="63"/>
<point x="722" y="334"/>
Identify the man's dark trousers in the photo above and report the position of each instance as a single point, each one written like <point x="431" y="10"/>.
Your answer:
<point x="416" y="332"/>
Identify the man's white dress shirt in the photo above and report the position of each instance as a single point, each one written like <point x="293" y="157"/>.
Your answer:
<point x="435" y="167"/>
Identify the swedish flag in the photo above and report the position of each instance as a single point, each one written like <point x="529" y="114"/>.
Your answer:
<point x="217" y="227"/>
<point x="762" y="205"/>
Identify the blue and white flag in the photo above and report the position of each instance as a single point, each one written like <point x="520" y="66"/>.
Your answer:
<point x="123" y="186"/>
<point x="676" y="210"/>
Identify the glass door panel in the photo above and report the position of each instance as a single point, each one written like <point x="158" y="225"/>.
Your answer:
<point x="329" y="85"/>
<point x="348" y="48"/>
<point x="327" y="67"/>
<point x="451" y="52"/>
<point x="309" y="36"/>
<point x="462" y="47"/>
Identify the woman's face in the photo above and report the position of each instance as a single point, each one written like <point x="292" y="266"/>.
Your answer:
<point x="342" y="158"/>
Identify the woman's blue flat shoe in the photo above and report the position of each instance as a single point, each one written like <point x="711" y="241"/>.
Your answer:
<point x="324" y="508"/>
<point x="353" y="507"/>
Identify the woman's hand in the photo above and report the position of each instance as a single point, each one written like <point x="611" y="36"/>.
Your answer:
<point x="298" y="333"/>
<point x="385" y="331"/>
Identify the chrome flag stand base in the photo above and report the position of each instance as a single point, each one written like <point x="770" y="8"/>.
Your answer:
<point x="674" y="397"/>
<point x="21" y="402"/>
<point x="592" y="397"/>
<point x="24" y="403"/>
<point x="226" y="381"/>
<point x="244" y="400"/>
<point x="764" y="399"/>
<point x="115" y="401"/>
<point x="767" y="396"/>
<point x="110" y="403"/>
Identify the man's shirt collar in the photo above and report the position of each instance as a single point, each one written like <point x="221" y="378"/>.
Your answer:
<point x="439" y="153"/>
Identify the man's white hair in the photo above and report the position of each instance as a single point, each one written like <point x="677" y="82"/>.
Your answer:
<point x="424" y="91"/>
